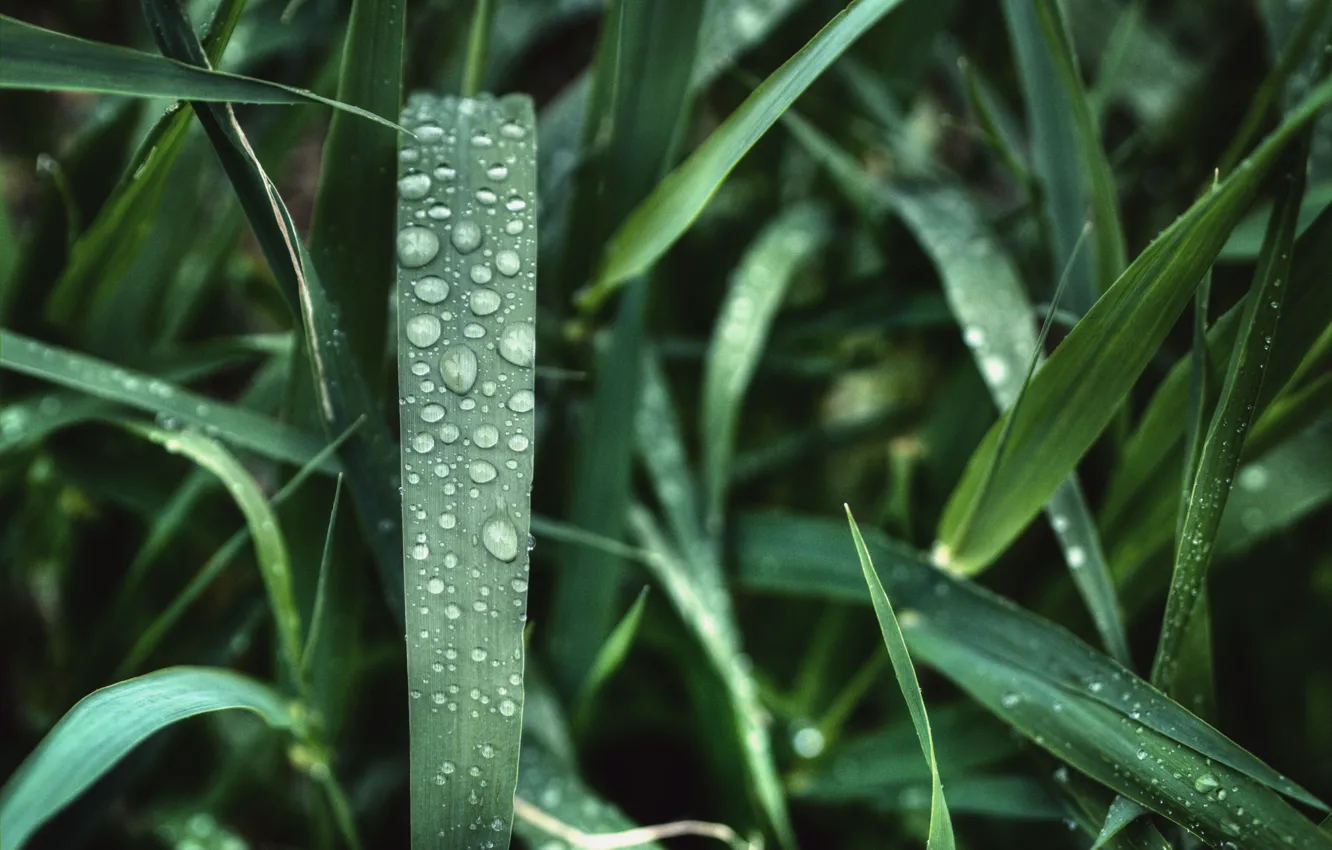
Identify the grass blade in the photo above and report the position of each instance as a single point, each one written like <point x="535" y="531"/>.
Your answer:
<point x="1082" y="384"/>
<point x="321" y="588"/>
<point x="668" y="212"/>
<point x="37" y="58"/>
<point x="613" y="651"/>
<point x="1220" y="457"/>
<point x="103" y="727"/>
<point x="478" y="43"/>
<point x="757" y="289"/>
<point x="941" y="824"/>
<point x="466" y="348"/>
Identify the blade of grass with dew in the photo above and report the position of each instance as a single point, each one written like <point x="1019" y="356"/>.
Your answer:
<point x="1220" y="456"/>
<point x="1121" y="814"/>
<point x="612" y="653"/>
<point x="1067" y="159"/>
<point x="351" y="233"/>
<point x="941" y="824"/>
<point x="1086" y="809"/>
<point x="269" y="546"/>
<point x="343" y="395"/>
<point x="103" y="727"/>
<point x="1033" y="674"/>
<point x="638" y="104"/>
<point x="668" y="212"/>
<point x="1073" y="398"/>
<point x="242" y="428"/>
<point x="149" y="638"/>
<point x="37" y="58"/>
<point x="706" y="611"/>
<point x="755" y="294"/>
<point x="466" y="348"/>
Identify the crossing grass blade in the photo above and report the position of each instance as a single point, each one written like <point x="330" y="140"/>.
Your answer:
<point x="1220" y="456"/>
<point x="342" y="393"/>
<point x="37" y="58"/>
<point x="677" y="200"/>
<point x="103" y="727"/>
<point x="1077" y="392"/>
<point x="1123" y="812"/>
<point x="613" y="651"/>
<point x="941" y="824"/>
<point x="756" y="291"/>
<point x="466" y="351"/>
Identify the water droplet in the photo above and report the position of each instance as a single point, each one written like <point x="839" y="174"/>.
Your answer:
<point x="500" y="538"/>
<point x="508" y="707"/>
<point x="512" y="130"/>
<point x="420" y="367"/>
<point x="474" y="331"/>
<point x="452" y="611"/>
<point x="485" y="301"/>
<point x="808" y="742"/>
<point x="423" y="331"/>
<point x="482" y="140"/>
<point x="479" y="654"/>
<point x="480" y="273"/>
<point x="485" y="436"/>
<point x="517" y="345"/>
<point x="466" y="236"/>
<point x="522" y="401"/>
<point x="458" y="368"/>
<point x="416" y="246"/>
<point x="447" y="768"/>
<point x="448" y="521"/>
<point x="1077" y="556"/>
<point x="423" y="442"/>
<point x="429" y="133"/>
<point x="435" y="586"/>
<point x="514" y="227"/>
<point x="438" y="698"/>
<point x="481" y="471"/>
<point x="519" y="585"/>
<point x="515" y="204"/>
<point x="439" y="212"/>
<point x="995" y="369"/>
<point x="498" y="171"/>
<point x="448" y="432"/>
<point x="413" y="187"/>
<point x="431" y="289"/>
<point x="1206" y="784"/>
<point x="486" y="197"/>
<point x="1253" y="477"/>
<point x="432" y="412"/>
<point x="420" y="552"/>
<point x="1142" y="754"/>
<point x="1010" y="700"/>
<point x="518" y="443"/>
<point x="445" y="172"/>
<point x="508" y="263"/>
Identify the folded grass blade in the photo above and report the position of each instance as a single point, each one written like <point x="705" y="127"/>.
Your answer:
<point x="37" y="58"/>
<point x="103" y="727"/>
<point x="466" y="351"/>
<point x="673" y="206"/>
<point x="941" y="824"/>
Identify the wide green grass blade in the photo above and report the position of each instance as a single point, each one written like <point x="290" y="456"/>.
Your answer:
<point x="103" y="727"/>
<point x="351" y="235"/>
<point x="941" y="824"/>
<point x="37" y="58"/>
<point x="1077" y="392"/>
<point x="342" y="393"/>
<point x="756" y="291"/>
<point x="1067" y="158"/>
<point x="243" y="428"/>
<point x="467" y="253"/>
<point x="673" y="206"/>
<point x="1221" y="452"/>
<point x="269" y="544"/>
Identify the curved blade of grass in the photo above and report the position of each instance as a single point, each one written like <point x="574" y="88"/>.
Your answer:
<point x="351" y="233"/>
<point x="613" y="651"/>
<point x="341" y="390"/>
<point x="1074" y="396"/>
<point x="941" y="824"/>
<point x="1220" y="457"/>
<point x="103" y="727"/>
<point x="466" y="348"/>
<point x="269" y="546"/>
<point x="673" y="206"/>
<point x="788" y="553"/>
<point x="1067" y="158"/>
<point x="238" y="426"/>
<point x="757" y="288"/>
<point x="37" y="58"/>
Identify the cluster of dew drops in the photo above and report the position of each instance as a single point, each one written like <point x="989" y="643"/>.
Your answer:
<point x="466" y="403"/>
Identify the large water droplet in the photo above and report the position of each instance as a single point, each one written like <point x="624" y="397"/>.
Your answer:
<point x="518" y="443"/>
<point x="514" y="227"/>
<point x="512" y="130"/>
<point x="486" y="197"/>
<point x="481" y="471"/>
<point x="413" y="187"/>
<point x="432" y="412"/>
<point x="423" y="331"/>
<point x="485" y="301"/>
<point x="440" y="212"/>
<point x="452" y="611"/>
<point x="515" y="204"/>
<point x="423" y="442"/>
<point x="500" y="538"/>
<point x="420" y="552"/>
<point x="508" y="263"/>
<point x="435" y="586"/>
<point x="480" y="273"/>
<point x="458" y="368"/>
<point x="498" y="171"/>
<point x="446" y="172"/>
<point x="466" y="236"/>
<point x="416" y="246"/>
<point x="518" y="345"/>
<point x="522" y="401"/>
<point x="1206" y="784"/>
<point x="508" y="707"/>
<point x="448" y="432"/>
<point x="485" y="436"/>
<point x="431" y="289"/>
<point x="429" y="133"/>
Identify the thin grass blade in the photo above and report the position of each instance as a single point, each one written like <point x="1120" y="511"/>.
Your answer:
<point x="613" y="651"/>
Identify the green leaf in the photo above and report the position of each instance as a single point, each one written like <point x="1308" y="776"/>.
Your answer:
<point x="103" y="727"/>
<point x="1123" y="812"/>
<point x="941" y="825"/>
<point x="673" y="206"/>
<point x="1075" y="394"/>
<point x="614" y="650"/>
<point x="756" y="291"/>
<point x="1278" y="488"/>
<point x="466" y="351"/>
<point x="1220" y="457"/>
<point x="37" y="58"/>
